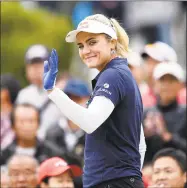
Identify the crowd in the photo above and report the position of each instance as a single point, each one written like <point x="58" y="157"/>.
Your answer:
<point x="41" y="148"/>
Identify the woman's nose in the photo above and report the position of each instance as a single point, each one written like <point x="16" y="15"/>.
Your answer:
<point x="85" y="50"/>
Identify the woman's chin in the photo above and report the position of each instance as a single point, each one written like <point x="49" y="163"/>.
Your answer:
<point x="91" y="64"/>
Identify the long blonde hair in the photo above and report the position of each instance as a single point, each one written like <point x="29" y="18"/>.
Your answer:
<point x="122" y="47"/>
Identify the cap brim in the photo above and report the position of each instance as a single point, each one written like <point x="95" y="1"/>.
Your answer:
<point x="76" y="93"/>
<point x="71" y="36"/>
<point x="151" y="52"/>
<point x="76" y="171"/>
<point x="97" y="29"/>
<point x="168" y="73"/>
<point x="35" y="60"/>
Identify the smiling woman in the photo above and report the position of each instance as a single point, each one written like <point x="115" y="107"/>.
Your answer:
<point x="115" y="143"/>
<point x="94" y="49"/>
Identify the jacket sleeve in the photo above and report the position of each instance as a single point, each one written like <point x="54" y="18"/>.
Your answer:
<point x="6" y="154"/>
<point x="179" y="139"/>
<point x="56" y="135"/>
<point x="178" y="142"/>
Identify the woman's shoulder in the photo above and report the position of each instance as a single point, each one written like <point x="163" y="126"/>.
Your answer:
<point x="110" y="73"/>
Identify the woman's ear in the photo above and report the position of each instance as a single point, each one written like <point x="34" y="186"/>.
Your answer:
<point x="113" y="43"/>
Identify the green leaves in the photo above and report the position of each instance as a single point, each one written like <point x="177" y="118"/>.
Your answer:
<point x="21" y="28"/>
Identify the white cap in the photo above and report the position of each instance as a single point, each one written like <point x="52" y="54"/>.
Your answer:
<point x="160" y="51"/>
<point x="169" y="68"/>
<point x="134" y="59"/>
<point x="97" y="23"/>
<point x="36" y="51"/>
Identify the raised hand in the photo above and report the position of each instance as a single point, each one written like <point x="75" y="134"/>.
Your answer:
<point x="50" y="71"/>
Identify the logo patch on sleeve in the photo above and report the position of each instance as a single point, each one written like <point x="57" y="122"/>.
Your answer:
<point x="106" y="85"/>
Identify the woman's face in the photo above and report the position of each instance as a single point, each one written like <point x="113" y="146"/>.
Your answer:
<point x="95" y="49"/>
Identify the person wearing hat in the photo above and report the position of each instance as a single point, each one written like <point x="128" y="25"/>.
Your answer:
<point x="153" y="54"/>
<point x="66" y="133"/>
<point x="55" y="172"/>
<point x="113" y="117"/>
<point x="34" y="93"/>
<point x="135" y="65"/>
<point x="165" y="122"/>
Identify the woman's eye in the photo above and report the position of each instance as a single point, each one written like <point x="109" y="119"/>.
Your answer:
<point x="80" y="47"/>
<point x="92" y="43"/>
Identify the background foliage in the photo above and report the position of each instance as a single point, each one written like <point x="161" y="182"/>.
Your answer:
<point x="21" y="28"/>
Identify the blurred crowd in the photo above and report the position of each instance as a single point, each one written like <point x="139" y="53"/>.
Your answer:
<point x="41" y="148"/>
<point x="33" y="129"/>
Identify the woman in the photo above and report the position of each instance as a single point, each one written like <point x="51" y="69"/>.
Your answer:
<point x="112" y="119"/>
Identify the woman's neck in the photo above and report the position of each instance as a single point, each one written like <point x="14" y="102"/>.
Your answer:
<point x="104" y="64"/>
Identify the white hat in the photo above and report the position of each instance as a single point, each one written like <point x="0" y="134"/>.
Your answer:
<point x="169" y="68"/>
<point x="36" y="51"/>
<point x="160" y="51"/>
<point x="134" y="59"/>
<point x="97" y="23"/>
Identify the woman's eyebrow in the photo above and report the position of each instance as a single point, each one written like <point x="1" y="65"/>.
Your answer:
<point x="86" y="40"/>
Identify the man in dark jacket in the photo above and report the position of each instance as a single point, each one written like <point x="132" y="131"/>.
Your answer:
<point x="165" y="123"/>
<point x="25" y="123"/>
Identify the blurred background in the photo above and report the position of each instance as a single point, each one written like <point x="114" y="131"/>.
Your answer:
<point x="47" y="22"/>
<point x="29" y="31"/>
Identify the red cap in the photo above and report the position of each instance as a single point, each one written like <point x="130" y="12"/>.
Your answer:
<point x="56" y="166"/>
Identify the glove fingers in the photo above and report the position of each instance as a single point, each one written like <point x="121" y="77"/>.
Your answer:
<point x="55" y="57"/>
<point x="46" y="66"/>
<point x="53" y="61"/>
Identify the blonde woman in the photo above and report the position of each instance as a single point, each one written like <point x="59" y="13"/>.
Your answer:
<point x="115" y="145"/>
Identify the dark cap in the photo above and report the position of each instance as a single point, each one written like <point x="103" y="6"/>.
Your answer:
<point x="36" y="52"/>
<point x="77" y="87"/>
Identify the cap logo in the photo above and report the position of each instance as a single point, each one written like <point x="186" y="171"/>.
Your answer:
<point x="83" y="25"/>
<point x="60" y="163"/>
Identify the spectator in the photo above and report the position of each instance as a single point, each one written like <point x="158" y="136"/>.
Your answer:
<point x="25" y="123"/>
<point x="4" y="178"/>
<point x="135" y="64"/>
<point x="66" y="134"/>
<point x="34" y="93"/>
<point x="147" y="172"/>
<point x="154" y="54"/>
<point x="9" y="90"/>
<point x="165" y="123"/>
<point x="55" y="172"/>
<point x="23" y="171"/>
<point x="182" y="95"/>
<point x="169" y="169"/>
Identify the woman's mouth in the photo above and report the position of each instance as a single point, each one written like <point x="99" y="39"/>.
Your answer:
<point x="90" y="57"/>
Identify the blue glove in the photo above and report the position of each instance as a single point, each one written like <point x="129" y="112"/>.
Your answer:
<point x="50" y="71"/>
